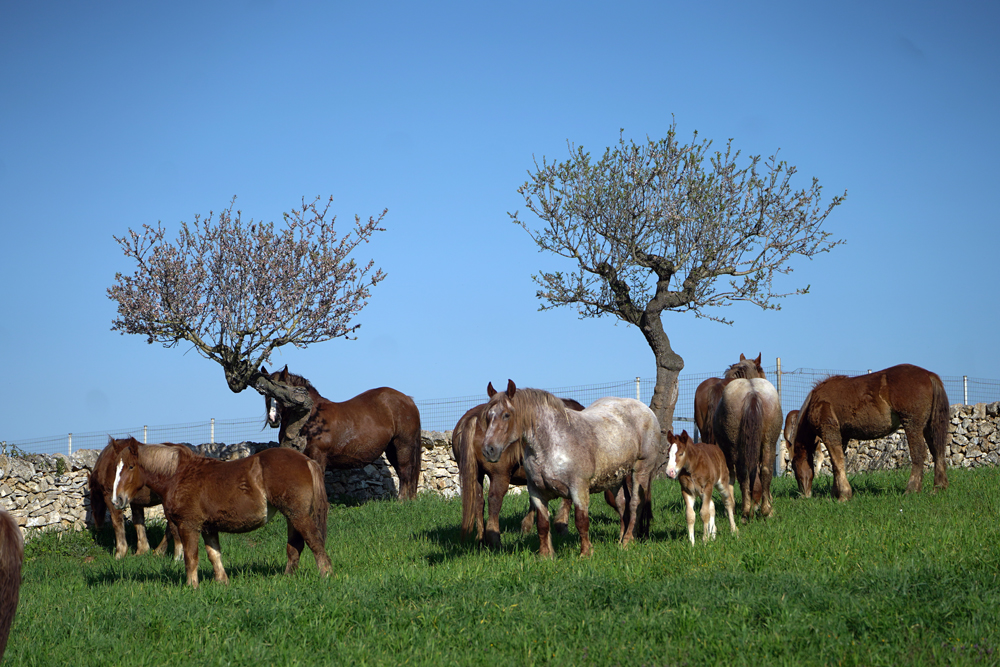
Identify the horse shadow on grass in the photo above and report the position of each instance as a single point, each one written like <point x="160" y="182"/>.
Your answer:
<point x="173" y="573"/>
<point x="864" y="484"/>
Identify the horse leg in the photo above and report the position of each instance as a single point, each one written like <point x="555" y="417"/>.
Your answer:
<point x="162" y="546"/>
<point x="303" y="528"/>
<point x="689" y="513"/>
<point x="118" y="523"/>
<point x="562" y="517"/>
<point x="480" y="503"/>
<point x="139" y="521"/>
<point x="918" y="454"/>
<point x="832" y="439"/>
<point x="189" y="538"/>
<point x="938" y="454"/>
<point x="765" y="474"/>
<point x="582" y="515"/>
<point x="542" y="516"/>
<point x="178" y="543"/>
<point x="707" y="515"/>
<point x="499" y="484"/>
<point x="405" y="458"/>
<point x="803" y="464"/>
<point x="215" y="556"/>
<point x="729" y="503"/>
<point x="293" y="549"/>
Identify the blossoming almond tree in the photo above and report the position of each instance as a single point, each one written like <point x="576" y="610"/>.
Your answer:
<point x="237" y="290"/>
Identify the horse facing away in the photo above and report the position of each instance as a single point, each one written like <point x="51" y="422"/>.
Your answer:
<point x="101" y="482"/>
<point x="708" y="393"/>
<point x="467" y="447"/>
<point x="569" y="454"/>
<point x="747" y="425"/>
<point x="700" y="467"/>
<point x="355" y="432"/>
<point x="204" y="496"/>
<point x="873" y="406"/>
<point x="11" y="559"/>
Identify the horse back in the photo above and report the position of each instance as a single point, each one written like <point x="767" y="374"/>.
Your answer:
<point x="227" y="496"/>
<point x="361" y="425"/>
<point x="614" y="434"/>
<point x="705" y="466"/>
<point x="706" y="398"/>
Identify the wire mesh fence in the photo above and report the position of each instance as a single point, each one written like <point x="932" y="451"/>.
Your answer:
<point x="442" y="414"/>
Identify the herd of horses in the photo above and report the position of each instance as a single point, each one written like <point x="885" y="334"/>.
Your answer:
<point x="556" y="447"/>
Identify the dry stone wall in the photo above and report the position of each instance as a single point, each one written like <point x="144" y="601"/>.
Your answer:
<point x="50" y="492"/>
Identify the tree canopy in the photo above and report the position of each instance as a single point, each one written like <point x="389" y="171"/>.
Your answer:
<point x="665" y="225"/>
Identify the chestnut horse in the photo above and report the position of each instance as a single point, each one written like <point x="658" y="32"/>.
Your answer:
<point x="747" y="425"/>
<point x="791" y="421"/>
<point x="873" y="406"/>
<point x="700" y="467"/>
<point x="571" y="454"/>
<point x="11" y="558"/>
<point x="101" y="482"/>
<point x="204" y="496"/>
<point x="354" y="433"/>
<point x="708" y="393"/>
<point x="467" y="447"/>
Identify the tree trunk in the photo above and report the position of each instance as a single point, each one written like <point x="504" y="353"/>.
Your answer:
<point x="668" y="367"/>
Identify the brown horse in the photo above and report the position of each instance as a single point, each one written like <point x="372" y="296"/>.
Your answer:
<point x="747" y="425"/>
<point x="873" y="406"/>
<point x="708" y="393"/>
<point x="101" y="482"/>
<point x="791" y="421"/>
<point x="700" y="467"/>
<point x="572" y="454"/>
<point x="11" y="558"/>
<point x="354" y="433"/>
<point x="467" y="447"/>
<point x="204" y="496"/>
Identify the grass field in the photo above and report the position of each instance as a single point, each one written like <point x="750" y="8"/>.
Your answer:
<point x="885" y="579"/>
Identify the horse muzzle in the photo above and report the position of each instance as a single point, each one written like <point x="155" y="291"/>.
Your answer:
<point x="492" y="452"/>
<point x="119" y="502"/>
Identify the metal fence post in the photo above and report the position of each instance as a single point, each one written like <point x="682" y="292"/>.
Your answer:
<point x="778" y="458"/>
<point x="70" y="446"/>
<point x="145" y="434"/>
<point x="965" y="390"/>
<point x="637" y="388"/>
<point x="212" y="439"/>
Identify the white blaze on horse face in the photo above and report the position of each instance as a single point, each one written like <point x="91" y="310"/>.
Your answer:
<point x="118" y="479"/>
<point x="272" y="412"/>
<point x="672" y="462"/>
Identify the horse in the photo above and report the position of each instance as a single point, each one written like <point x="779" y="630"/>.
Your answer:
<point x="569" y="454"/>
<point x="355" y="432"/>
<point x="791" y="421"/>
<point x="872" y="406"/>
<point x="101" y="483"/>
<point x="747" y="424"/>
<point x="708" y="393"/>
<point x="467" y="447"/>
<point x="11" y="559"/>
<point x="204" y="496"/>
<point x="700" y="467"/>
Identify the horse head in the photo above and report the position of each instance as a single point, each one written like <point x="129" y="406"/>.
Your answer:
<point x="129" y="478"/>
<point x="499" y="423"/>
<point x="747" y="369"/>
<point x="677" y="453"/>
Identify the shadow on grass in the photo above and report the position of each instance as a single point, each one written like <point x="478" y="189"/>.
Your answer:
<point x="171" y="572"/>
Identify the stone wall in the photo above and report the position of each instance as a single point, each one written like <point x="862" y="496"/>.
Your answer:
<point x="50" y="492"/>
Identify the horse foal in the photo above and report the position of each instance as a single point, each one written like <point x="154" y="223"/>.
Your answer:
<point x="699" y="467"/>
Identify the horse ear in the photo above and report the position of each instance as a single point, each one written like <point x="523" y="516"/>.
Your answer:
<point x="684" y="435"/>
<point x="511" y="388"/>
<point x="263" y="370"/>
<point x="490" y="391"/>
<point x="742" y="358"/>
<point x="133" y="447"/>
<point x="757" y="360"/>
<point x="670" y="436"/>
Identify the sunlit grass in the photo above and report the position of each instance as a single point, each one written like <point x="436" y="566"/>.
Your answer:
<point x="885" y="579"/>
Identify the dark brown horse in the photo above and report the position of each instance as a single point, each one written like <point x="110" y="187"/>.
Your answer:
<point x="101" y="482"/>
<point x="204" y="496"/>
<point x="467" y="447"/>
<point x="11" y="558"/>
<point x="354" y="433"/>
<point x="708" y="393"/>
<point x="873" y="406"/>
<point x="747" y="425"/>
<point x="572" y="454"/>
<point x="700" y="467"/>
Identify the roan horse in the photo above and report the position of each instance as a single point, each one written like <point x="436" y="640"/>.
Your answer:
<point x="747" y="425"/>
<point x="700" y="467"/>
<point x="11" y="558"/>
<point x="708" y="393"/>
<point x="467" y="447"/>
<point x="354" y="433"/>
<point x="571" y="454"/>
<point x="872" y="406"/>
<point x="101" y="482"/>
<point x="204" y="496"/>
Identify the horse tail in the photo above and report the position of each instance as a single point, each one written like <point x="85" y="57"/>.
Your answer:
<point x="11" y="557"/>
<point x="320" y="503"/>
<point x="462" y="442"/>
<point x="98" y="508"/>
<point x="939" y="417"/>
<point x="415" y="453"/>
<point x="751" y="434"/>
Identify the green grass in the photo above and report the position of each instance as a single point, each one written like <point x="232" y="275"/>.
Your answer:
<point x="885" y="579"/>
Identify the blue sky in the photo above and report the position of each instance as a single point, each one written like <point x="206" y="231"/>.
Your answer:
<point x="117" y="114"/>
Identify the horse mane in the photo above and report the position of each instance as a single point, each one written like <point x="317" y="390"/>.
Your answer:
<point x="526" y="403"/>
<point x="161" y="459"/>
<point x="744" y="368"/>
<point x="298" y="381"/>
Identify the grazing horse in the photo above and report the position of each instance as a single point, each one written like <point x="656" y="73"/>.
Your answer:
<point x="700" y="467"/>
<point x="11" y="558"/>
<point x="354" y="433"/>
<point x="708" y="393"/>
<point x="467" y="447"/>
<point x="569" y="454"/>
<point x="204" y="496"/>
<point x="747" y="425"/>
<point x="873" y="406"/>
<point x="791" y="421"/>
<point x="101" y="482"/>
